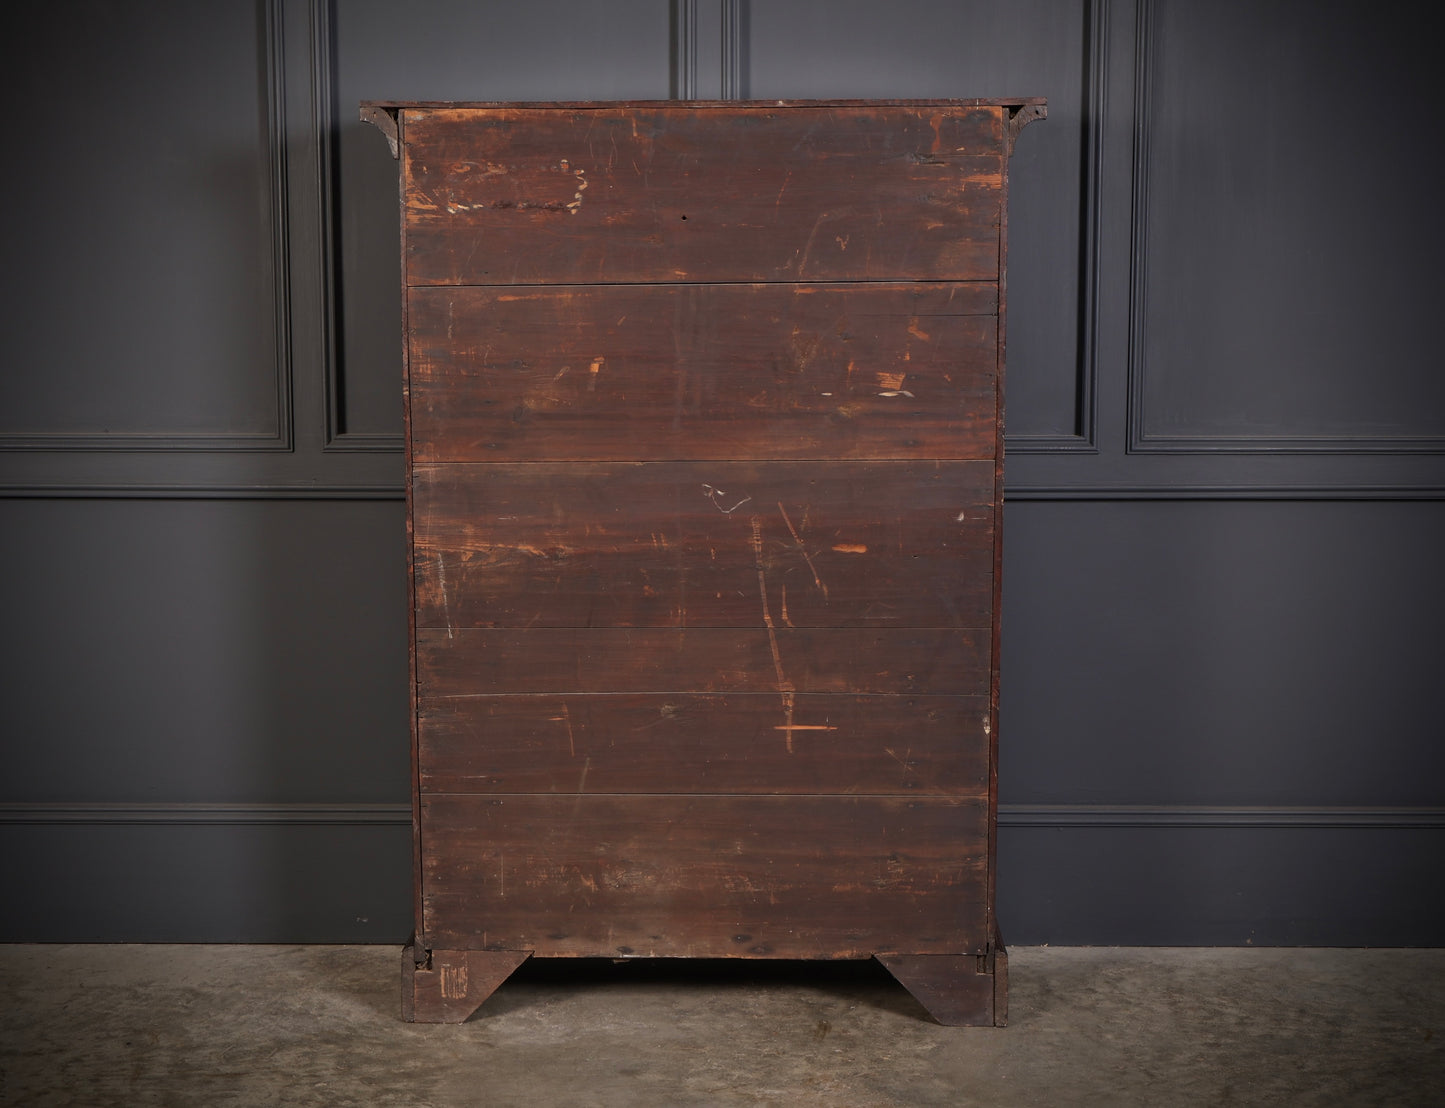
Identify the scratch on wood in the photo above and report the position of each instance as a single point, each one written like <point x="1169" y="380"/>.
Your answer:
<point x="566" y="718"/>
<point x="808" y="246"/>
<point x="850" y="548"/>
<point x="714" y="495"/>
<point x="785" y="688"/>
<point x="803" y="551"/>
<point x="805" y="727"/>
<point x="907" y="765"/>
<point x="788" y="727"/>
<point x="786" y="178"/>
<point x="593" y="370"/>
<point x="442" y="585"/>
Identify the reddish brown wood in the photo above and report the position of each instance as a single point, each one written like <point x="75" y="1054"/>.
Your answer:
<point x="740" y="743"/>
<point x="689" y="544"/>
<point x="957" y="990"/>
<point x="704" y="876"/>
<point x="470" y="661"/>
<point x="447" y="986"/>
<point x="704" y="488"/>
<point x="681" y="193"/>
<point x="687" y="371"/>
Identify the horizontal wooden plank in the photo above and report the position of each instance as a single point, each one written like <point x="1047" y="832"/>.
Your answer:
<point x="687" y="544"/>
<point x="692" y="371"/>
<point x="717" y="876"/>
<point x="784" y="660"/>
<point x="682" y="193"/>
<point x="750" y="743"/>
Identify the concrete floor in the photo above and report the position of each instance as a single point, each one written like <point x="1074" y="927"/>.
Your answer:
<point x="259" y="1025"/>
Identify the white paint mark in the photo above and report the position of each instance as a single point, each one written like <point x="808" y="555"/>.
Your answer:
<point x="576" y="205"/>
<point x="896" y="392"/>
<point x="454" y="982"/>
<point x="715" y="496"/>
<point x="961" y="517"/>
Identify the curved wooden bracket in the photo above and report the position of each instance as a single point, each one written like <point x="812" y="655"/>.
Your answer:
<point x="1019" y="117"/>
<point x="384" y="118"/>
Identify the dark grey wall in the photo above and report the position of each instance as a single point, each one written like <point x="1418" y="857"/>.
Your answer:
<point x="1226" y="448"/>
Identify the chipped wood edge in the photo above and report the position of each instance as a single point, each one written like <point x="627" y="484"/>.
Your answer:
<point x="386" y="119"/>
<point x="1019" y="117"/>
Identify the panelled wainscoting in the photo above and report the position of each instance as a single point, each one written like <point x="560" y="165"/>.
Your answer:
<point x="1226" y="449"/>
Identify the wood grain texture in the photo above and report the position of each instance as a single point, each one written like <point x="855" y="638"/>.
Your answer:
<point x="715" y="876"/>
<point x="704" y="454"/>
<point x="688" y="544"/>
<point x="693" y="371"/>
<point x="447" y="986"/>
<point x="679" y="193"/>
<point x="739" y="743"/>
<point x="472" y="661"/>
<point x="957" y="990"/>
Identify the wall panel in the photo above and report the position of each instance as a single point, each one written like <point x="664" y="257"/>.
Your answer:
<point x="203" y="651"/>
<point x="1287" y="226"/>
<point x="1225" y="473"/>
<point x="145" y="289"/>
